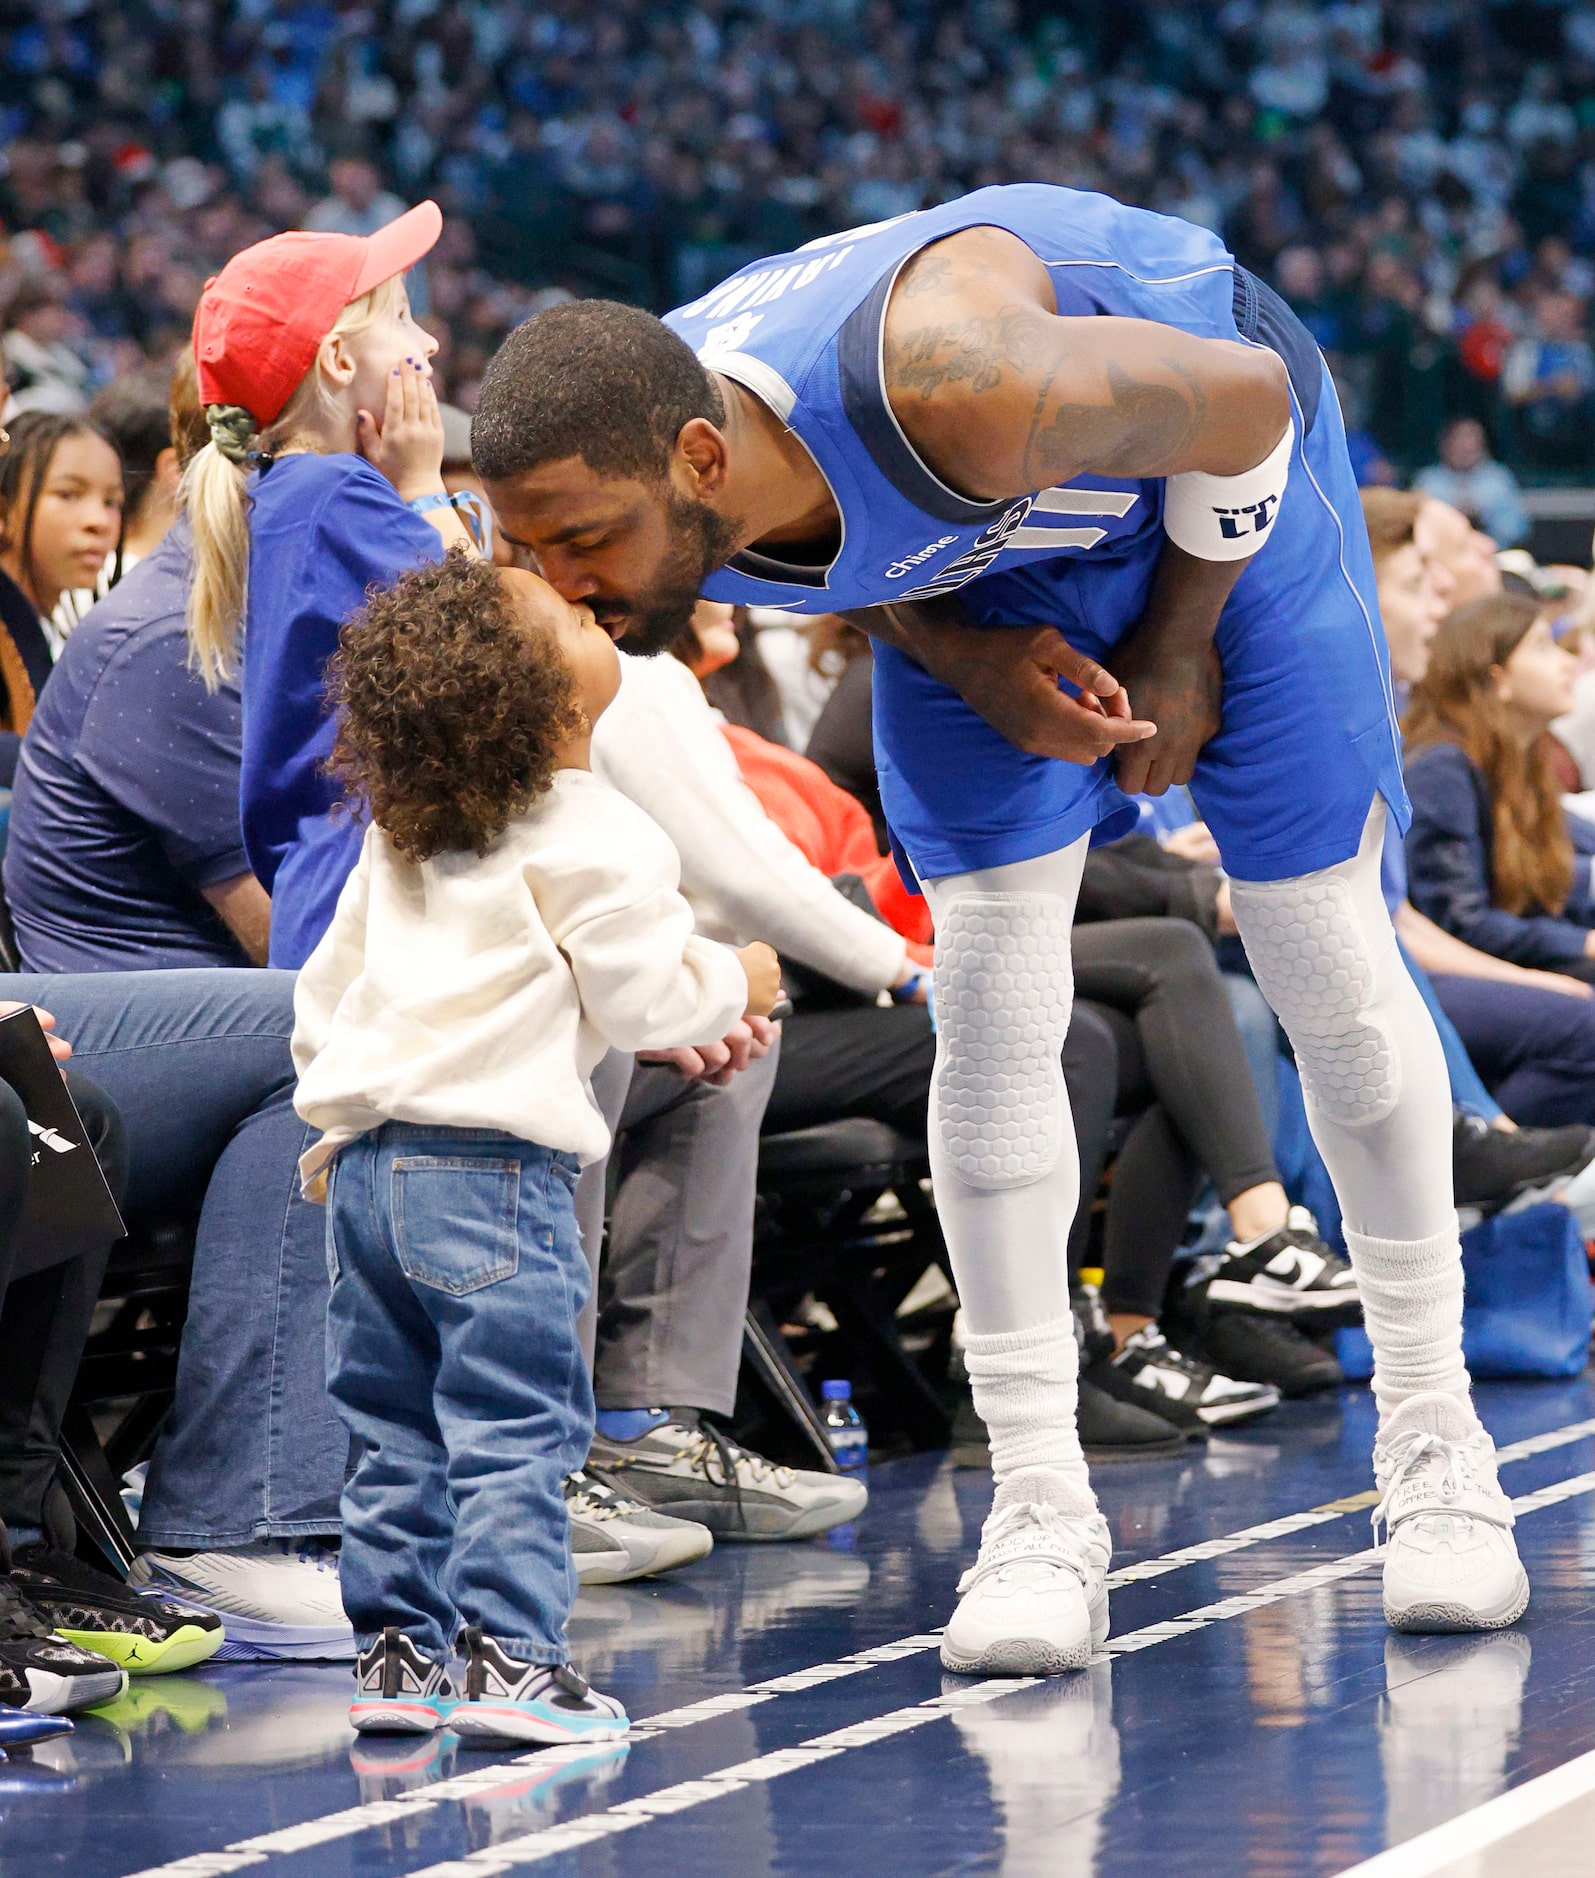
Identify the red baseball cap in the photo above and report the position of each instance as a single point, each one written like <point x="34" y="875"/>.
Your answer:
<point x="263" y="317"/>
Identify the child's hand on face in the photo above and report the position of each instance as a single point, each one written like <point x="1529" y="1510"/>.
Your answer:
<point x="763" y="971"/>
<point x="408" y="448"/>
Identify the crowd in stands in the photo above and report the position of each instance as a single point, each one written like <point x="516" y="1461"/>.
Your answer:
<point x="1414" y="181"/>
<point x="1417" y="180"/>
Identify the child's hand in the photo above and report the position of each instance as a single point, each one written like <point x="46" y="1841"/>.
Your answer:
<point x="763" y="972"/>
<point x="408" y="448"/>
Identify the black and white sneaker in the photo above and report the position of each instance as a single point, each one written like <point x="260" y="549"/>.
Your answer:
<point x="689" y="1469"/>
<point x="1253" y="1348"/>
<point x="43" y="1673"/>
<point x="508" y="1699"/>
<point x="614" y="1538"/>
<point x="1290" y="1274"/>
<point x="1191" y="1394"/>
<point x="399" y="1690"/>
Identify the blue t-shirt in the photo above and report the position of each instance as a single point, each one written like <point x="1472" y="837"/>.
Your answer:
<point x="126" y="800"/>
<point x="323" y="529"/>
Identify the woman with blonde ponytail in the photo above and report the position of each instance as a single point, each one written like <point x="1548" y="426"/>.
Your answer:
<point x="322" y="479"/>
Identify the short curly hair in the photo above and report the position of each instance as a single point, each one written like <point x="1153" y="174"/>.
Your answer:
<point x="452" y="705"/>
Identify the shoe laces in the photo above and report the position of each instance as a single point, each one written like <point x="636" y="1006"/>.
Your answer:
<point x="1029" y="1530"/>
<point x="1454" y="1466"/>
<point x="720" y="1460"/>
<point x="593" y="1500"/>
<point x="18" y="1618"/>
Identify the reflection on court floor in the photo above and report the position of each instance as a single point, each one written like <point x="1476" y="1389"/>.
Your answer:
<point x="1253" y="1715"/>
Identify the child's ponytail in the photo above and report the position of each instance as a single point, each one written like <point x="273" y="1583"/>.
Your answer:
<point x="214" y="502"/>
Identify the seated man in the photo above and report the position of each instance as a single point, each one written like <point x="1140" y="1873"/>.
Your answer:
<point x="125" y="852"/>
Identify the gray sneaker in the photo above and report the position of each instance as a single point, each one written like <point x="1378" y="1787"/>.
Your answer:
<point x="615" y="1538"/>
<point x="691" y="1470"/>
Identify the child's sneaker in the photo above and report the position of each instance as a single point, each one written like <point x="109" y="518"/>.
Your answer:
<point x="508" y="1700"/>
<point x="398" y="1691"/>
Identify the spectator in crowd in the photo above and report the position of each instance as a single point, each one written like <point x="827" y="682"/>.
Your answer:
<point x="1459" y="557"/>
<point x="48" y="1291"/>
<point x="138" y="412"/>
<point x="1494" y="858"/>
<point x="1415" y="198"/>
<point x="240" y="1508"/>
<point x="1549" y="381"/>
<point x="329" y="403"/>
<point x="1468" y="478"/>
<point x="358" y="204"/>
<point x="1530" y="1034"/>
<point x="45" y="372"/>
<point x="125" y="852"/>
<point x="60" y="517"/>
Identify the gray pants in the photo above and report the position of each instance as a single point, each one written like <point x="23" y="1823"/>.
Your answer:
<point x="665" y="1330"/>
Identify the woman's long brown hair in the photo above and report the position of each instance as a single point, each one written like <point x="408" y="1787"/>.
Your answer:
<point x="1532" y="862"/>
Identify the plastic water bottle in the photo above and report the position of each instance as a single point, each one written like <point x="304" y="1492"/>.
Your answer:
<point x="845" y="1430"/>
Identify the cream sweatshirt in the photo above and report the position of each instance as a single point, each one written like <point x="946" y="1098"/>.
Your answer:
<point x="479" y="991"/>
<point x="660" y="744"/>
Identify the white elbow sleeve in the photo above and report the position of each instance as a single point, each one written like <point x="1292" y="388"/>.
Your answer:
<point x="1227" y="518"/>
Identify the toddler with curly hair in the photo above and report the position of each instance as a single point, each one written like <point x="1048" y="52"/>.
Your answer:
<point x="510" y="919"/>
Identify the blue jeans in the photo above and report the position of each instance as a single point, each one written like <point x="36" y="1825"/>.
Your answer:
<point x="198" y="1064"/>
<point x="454" y="1358"/>
<point x="1535" y="1049"/>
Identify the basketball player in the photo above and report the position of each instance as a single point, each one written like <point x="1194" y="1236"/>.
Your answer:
<point x="1085" y="481"/>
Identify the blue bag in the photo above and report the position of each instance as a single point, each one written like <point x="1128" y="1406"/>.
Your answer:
<point x="1527" y="1303"/>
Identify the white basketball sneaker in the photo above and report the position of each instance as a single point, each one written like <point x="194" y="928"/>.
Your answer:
<point x="1450" y="1560"/>
<point x="1034" y="1602"/>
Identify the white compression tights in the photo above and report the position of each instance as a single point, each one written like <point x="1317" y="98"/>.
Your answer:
<point x="1002" y="1142"/>
<point x="1378" y="1102"/>
<point x="1002" y="1149"/>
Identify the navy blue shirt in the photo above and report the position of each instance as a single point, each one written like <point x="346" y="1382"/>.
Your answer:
<point x="126" y="800"/>
<point x="323" y="529"/>
<point x="1449" y="858"/>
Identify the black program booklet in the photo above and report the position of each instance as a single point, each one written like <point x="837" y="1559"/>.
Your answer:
<point x="70" y="1209"/>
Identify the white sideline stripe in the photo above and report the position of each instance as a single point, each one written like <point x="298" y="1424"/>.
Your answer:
<point x="549" y="1841"/>
<point x="1319" y="1515"/>
<point x="243" y="1853"/>
<point x="1470" y="1833"/>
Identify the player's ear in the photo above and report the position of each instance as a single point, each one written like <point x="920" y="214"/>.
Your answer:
<point x="700" y="463"/>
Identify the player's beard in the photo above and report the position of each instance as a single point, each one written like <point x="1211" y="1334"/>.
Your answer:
<point x="700" y="541"/>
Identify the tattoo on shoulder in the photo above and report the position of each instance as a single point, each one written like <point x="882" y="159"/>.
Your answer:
<point x="927" y="273"/>
<point x="973" y="352"/>
<point x="1144" y="423"/>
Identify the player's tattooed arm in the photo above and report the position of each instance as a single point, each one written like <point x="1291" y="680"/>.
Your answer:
<point x="1002" y="397"/>
<point x="1010" y="676"/>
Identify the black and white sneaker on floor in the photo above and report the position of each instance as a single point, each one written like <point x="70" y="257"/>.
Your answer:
<point x="1290" y="1274"/>
<point x="689" y="1469"/>
<point x="1253" y="1348"/>
<point x="1191" y="1394"/>
<point x="43" y="1673"/>
<point x="614" y="1538"/>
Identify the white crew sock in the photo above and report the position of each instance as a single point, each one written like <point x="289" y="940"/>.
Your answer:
<point x="1026" y="1389"/>
<point x="1411" y="1293"/>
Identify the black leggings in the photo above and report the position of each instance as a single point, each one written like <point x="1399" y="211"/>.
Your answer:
<point x="1183" y="1074"/>
<point x="45" y="1311"/>
<point x="863" y="1060"/>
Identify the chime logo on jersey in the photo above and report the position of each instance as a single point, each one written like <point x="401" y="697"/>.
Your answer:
<point x="987" y="545"/>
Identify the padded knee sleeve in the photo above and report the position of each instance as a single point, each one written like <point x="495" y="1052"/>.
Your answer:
<point x="1004" y="986"/>
<point x="1315" y="963"/>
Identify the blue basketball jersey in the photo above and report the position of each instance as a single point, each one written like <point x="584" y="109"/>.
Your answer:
<point x="1308" y="731"/>
<point x="803" y="332"/>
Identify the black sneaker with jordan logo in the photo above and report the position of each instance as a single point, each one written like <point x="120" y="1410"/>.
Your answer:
<point x="43" y="1673"/>
<point x="1289" y="1274"/>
